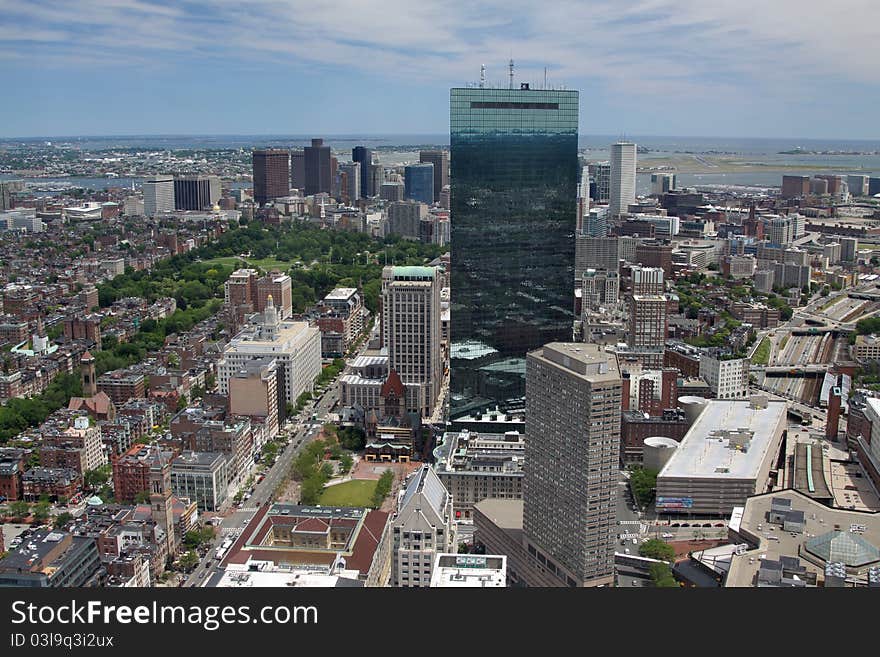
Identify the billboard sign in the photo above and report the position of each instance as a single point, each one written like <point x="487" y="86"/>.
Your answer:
<point x="674" y="502"/>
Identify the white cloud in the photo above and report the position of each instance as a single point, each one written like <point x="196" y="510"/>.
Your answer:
<point x="640" y="47"/>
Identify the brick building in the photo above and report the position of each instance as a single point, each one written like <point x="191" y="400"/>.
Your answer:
<point x="635" y="427"/>
<point x="131" y="471"/>
<point x="122" y="385"/>
<point x="12" y="462"/>
<point x="54" y="482"/>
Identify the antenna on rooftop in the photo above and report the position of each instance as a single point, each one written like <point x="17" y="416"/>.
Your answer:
<point x="510" y="66"/>
<point x="482" y="75"/>
<point x="545" y="77"/>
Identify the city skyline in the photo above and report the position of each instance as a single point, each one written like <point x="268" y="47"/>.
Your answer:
<point x="644" y="65"/>
<point x="503" y="353"/>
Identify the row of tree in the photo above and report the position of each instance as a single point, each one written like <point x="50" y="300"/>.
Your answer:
<point x="383" y="487"/>
<point x="312" y="471"/>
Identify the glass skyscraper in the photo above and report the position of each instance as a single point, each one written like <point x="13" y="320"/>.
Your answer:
<point x="418" y="181"/>
<point x="514" y="174"/>
<point x="364" y="156"/>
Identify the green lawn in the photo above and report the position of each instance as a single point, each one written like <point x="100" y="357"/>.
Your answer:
<point x="262" y="263"/>
<point x="270" y="263"/>
<point x="357" y="492"/>
<point x="229" y="261"/>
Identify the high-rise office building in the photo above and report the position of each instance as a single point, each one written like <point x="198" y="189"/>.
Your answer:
<point x="623" y="177"/>
<point x="298" y="170"/>
<point x="418" y="182"/>
<point x="352" y="188"/>
<point x="601" y="173"/>
<point x="405" y="217"/>
<point x="858" y="185"/>
<point x="318" y="168"/>
<point x="595" y="222"/>
<point x="583" y="199"/>
<point x="279" y="287"/>
<point x="158" y="195"/>
<point x="795" y="186"/>
<point x="662" y="183"/>
<point x="595" y="253"/>
<point x="271" y="174"/>
<point x="648" y="322"/>
<point x="196" y="192"/>
<point x="376" y="180"/>
<point x="573" y="401"/>
<point x="411" y="332"/>
<point x="7" y="189"/>
<point x="655" y="254"/>
<point x="647" y="280"/>
<point x="364" y="157"/>
<point x="873" y="186"/>
<point x="440" y="160"/>
<point x="513" y="198"/>
<point x="849" y="249"/>
<point x="240" y="294"/>
<point x="819" y="186"/>
<point x="779" y="229"/>
<point x="391" y="191"/>
<point x="835" y="183"/>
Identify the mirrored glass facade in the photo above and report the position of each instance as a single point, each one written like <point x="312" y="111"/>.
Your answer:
<point x="514" y="171"/>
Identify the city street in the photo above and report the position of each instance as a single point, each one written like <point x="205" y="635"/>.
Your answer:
<point x="301" y="432"/>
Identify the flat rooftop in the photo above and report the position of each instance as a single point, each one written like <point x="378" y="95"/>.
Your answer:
<point x="589" y="361"/>
<point x="705" y="452"/>
<point x="197" y="459"/>
<point x="341" y="294"/>
<point x="504" y="514"/>
<point x="281" y="577"/>
<point x="774" y="542"/>
<point x="29" y="557"/>
<point x="290" y="335"/>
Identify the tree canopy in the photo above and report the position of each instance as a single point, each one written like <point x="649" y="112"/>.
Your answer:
<point x="19" y="414"/>
<point x="654" y="548"/>
<point x="643" y="481"/>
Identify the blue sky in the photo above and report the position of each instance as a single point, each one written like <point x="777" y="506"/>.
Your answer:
<point x="760" y="68"/>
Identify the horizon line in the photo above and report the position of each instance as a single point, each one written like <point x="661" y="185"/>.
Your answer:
<point x="351" y="135"/>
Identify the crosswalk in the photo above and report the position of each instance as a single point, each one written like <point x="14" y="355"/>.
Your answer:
<point x="235" y="532"/>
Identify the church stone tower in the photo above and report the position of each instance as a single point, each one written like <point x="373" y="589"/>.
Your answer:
<point x="89" y="382"/>
<point x="161" y="503"/>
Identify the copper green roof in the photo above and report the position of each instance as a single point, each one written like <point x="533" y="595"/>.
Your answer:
<point x="414" y="272"/>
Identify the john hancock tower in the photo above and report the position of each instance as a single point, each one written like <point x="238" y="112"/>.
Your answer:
<point x="513" y="208"/>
